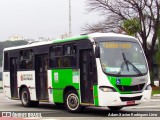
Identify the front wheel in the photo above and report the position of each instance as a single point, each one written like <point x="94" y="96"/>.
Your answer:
<point x="115" y="107"/>
<point x="72" y="102"/>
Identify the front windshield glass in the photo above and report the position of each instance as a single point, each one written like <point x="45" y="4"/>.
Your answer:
<point x="122" y="58"/>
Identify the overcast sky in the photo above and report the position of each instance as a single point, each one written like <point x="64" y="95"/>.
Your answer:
<point x="41" y="18"/>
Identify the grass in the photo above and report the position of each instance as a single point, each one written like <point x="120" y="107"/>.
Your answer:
<point x="155" y="90"/>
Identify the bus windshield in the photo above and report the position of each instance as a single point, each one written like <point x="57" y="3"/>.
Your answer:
<point x="122" y="58"/>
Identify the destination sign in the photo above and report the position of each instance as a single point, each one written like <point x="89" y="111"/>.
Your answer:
<point x="116" y="45"/>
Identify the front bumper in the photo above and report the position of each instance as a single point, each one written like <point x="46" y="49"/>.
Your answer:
<point x="117" y="99"/>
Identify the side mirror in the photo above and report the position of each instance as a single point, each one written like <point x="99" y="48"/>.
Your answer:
<point x="97" y="52"/>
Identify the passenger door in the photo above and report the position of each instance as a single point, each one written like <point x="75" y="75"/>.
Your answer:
<point x="41" y="77"/>
<point x="86" y="76"/>
<point x="13" y="77"/>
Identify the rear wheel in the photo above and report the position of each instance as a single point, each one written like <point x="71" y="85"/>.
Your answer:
<point x="115" y="107"/>
<point x="25" y="98"/>
<point x="72" y="102"/>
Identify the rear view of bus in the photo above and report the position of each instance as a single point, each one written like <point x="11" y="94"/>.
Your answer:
<point x="123" y="75"/>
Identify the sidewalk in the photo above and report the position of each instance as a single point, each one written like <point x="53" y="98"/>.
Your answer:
<point x="155" y="97"/>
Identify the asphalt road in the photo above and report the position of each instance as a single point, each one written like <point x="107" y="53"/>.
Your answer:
<point x="51" y="111"/>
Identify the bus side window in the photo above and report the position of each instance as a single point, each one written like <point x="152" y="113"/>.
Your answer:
<point x="69" y="56"/>
<point x="67" y="49"/>
<point x="73" y="49"/>
<point x="55" y="56"/>
<point x="26" y="59"/>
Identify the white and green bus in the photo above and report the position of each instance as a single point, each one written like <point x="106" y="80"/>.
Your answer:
<point x="99" y="69"/>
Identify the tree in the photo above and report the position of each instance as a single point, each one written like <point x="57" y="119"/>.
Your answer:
<point x="158" y="54"/>
<point x="131" y="26"/>
<point x="115" y="12"/>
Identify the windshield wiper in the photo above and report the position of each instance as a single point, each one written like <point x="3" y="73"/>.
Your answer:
<point x="135" y="68"/>
<point x="126" y="62"/>
<point x="123" y="64"/>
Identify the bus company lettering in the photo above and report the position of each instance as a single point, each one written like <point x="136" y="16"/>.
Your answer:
<point x="26" y="77"/>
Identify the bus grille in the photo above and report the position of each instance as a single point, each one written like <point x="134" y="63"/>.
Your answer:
<point x="124" y="88"/>
<point x="130" y="98"/>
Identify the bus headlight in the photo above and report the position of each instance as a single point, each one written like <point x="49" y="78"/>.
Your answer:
<point x="148" y="87"/>
<point x="107" y="89"/>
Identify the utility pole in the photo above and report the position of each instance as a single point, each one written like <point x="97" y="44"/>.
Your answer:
<point x="70" y="31"/>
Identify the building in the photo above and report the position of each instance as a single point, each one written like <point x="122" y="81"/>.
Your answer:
<point x="15" y="38"/>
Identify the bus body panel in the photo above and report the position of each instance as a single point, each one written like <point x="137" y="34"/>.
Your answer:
<point x="62" y="78"/>
<point x="101" y="81"/>
<point x="95" y="95"/>
<point x="113" y="98"/>
<point x="50" y="88"/>
<point x="6" y="84"/>
<point x="27" y="78"/>
<point x="128" y="81"/>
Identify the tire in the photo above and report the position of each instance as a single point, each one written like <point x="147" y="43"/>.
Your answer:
<point x="72" y="102"/>
<point x="25" y="99"/>
<point x="34" y="103"/>
<point x="115" y="108"/>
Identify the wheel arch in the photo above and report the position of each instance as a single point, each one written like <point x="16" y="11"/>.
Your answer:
<point x="67" y="89"/>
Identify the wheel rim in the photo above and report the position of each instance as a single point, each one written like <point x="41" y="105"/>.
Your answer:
<point x="24" y="97"/>
<point x="72" y="101"/>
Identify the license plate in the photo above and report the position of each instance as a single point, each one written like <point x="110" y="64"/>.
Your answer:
<point x="130" y="102"/>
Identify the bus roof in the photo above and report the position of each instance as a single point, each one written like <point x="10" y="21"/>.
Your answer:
<point x="109" y="35"/>
<point x="75" y="38"/>
<point x="34" y="44"/>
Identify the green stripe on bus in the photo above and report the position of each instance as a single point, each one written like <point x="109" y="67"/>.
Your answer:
<point x="95" y="92"/>
<point x="126" y="81"/>
<point x="123" y="80"/>
<point x="71" y="39"/>
<point x="61" y="78"/>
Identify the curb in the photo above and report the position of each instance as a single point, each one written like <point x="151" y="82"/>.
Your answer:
<point x="155" y="100"/>
<point x="1" y="90"/>
<point x="156" y="95"/>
